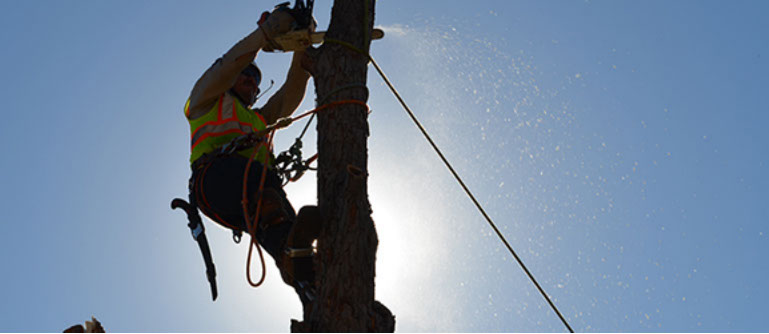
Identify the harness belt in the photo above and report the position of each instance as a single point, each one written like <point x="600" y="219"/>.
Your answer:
<point x="199" y="234"/>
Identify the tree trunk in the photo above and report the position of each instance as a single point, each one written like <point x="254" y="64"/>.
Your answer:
<point x="345" y="265"/>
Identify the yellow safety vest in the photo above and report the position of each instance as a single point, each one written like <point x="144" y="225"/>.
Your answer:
<point x="227" y="120"/>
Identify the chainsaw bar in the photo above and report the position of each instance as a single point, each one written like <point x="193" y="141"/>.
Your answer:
<point x="298" y="40"/>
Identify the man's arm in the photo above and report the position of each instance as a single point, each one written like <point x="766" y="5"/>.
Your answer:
<point x="285" y="101"/>
<point x="222" y="74"/>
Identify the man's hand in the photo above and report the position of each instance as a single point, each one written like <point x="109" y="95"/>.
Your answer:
<point x="277" y="23"/>
<point x="313" y="25"/>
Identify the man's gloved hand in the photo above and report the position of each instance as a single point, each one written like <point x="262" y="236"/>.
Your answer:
<point x="288" y="29"/>
<point x="313" y="24"/>
<point x="276" y="23"/>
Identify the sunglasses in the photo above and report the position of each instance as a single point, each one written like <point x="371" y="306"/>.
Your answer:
<point x="252" y="72"/>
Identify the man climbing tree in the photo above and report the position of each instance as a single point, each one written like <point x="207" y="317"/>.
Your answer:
<point x="340" y="297"/>
<point x="218" y="111"/>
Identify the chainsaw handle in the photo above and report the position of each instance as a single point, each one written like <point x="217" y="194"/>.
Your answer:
<point x="301" y="13"/>
<point x="195" y="225"/>
<point x="279" y="7"/>
<point x="180" y="203"/>
<point x="263" y="17"/>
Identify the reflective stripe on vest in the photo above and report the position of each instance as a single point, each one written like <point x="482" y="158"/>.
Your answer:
<point x="226" y="120"/>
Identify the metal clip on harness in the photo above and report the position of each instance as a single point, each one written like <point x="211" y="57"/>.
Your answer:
<point x="289" y="164"/>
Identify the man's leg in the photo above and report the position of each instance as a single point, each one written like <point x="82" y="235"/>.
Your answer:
<point x="284" y="235"/>
<point x="290" y="241"/>
<point x="299" y="243"/>
<point x="297" y="267"/>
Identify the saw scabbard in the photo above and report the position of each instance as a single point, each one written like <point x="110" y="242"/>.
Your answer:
<point x="199" y="234"/>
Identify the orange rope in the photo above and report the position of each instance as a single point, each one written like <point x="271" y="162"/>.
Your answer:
<point x="329" y="105"/>
<point x="252" y="224"/>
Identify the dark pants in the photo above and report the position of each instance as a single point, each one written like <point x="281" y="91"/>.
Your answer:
<point x="219" y="190"/>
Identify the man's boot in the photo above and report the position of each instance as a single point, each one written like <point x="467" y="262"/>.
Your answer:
<point x="297" y="269"/>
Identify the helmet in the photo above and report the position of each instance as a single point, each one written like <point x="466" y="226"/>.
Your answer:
<point x="253" y="71"/>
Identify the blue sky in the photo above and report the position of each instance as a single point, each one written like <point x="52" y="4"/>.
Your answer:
<point x="618" y="144"/>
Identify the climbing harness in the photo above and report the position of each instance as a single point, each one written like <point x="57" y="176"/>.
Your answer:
<point x="293" y="167"/>
<point x="191" y="208"/>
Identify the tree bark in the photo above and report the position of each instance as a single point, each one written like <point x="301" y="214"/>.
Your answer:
<point x="345" y="265"/>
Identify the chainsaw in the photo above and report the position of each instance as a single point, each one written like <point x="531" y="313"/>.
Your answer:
<point x="300" y="36"/>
